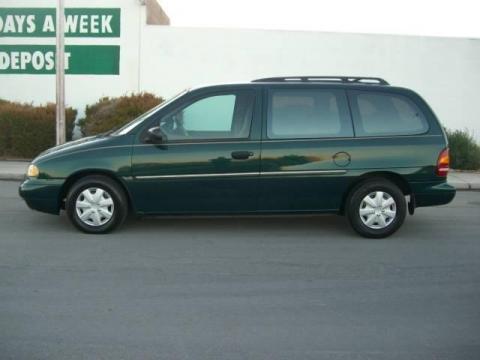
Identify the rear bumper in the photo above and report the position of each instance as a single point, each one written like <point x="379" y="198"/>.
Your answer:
<point x="432" y="193"/>
<point x="42" y="195"/>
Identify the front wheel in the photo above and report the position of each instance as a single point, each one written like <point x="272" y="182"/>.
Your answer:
<point x="376" y="208"/>
<point x="96" y="204"/>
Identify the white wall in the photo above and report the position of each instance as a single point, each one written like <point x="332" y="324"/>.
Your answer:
<point x="445" y="71"/>
<point x="165" y="60"/>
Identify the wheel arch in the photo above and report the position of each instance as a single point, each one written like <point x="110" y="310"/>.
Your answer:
<point x="395" y="178"/>
<point x="73" y="178"/>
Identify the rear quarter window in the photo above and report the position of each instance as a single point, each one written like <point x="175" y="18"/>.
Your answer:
<point x="385" y="114"/>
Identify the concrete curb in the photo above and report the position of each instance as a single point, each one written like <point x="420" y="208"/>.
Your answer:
<point x="11" y="177"/>
<point x="465" y="186"/>
<point x="13" y="169"/>
<point x="464" y="180"/>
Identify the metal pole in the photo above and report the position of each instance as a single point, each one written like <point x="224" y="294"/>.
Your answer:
<point x="60" y="74"/>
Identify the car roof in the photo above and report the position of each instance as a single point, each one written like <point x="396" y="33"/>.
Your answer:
<point x="329" y="78"/>
<point x="294" y="82"/>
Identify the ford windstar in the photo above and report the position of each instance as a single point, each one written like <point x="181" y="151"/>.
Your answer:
<point x="353" y="146"/>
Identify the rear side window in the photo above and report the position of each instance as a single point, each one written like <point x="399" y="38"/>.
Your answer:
<point x="308" y="113"/>
<point x="382" y="114"/>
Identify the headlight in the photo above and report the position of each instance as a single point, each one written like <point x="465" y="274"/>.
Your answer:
<point x="32" y="171"/>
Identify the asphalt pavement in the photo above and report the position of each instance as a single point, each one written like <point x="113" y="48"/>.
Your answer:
<point x="240" y="288"/>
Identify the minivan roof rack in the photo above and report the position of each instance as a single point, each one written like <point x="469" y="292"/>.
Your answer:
<point x="342" y="79"/>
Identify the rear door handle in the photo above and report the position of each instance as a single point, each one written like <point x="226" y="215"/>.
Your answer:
<point x="241" y="155"/>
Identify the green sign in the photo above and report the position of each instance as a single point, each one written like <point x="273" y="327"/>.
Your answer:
<point x="40" y="22"/>
<point x="79" y="59"/>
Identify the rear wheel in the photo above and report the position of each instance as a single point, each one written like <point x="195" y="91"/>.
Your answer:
<point x="96" y="204"/>
<point x="376" y="208"/>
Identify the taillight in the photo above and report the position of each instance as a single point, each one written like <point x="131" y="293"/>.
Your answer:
<point x="443" y="163"/>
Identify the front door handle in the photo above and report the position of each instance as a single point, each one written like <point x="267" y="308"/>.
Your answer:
<point x="241" y="155"/>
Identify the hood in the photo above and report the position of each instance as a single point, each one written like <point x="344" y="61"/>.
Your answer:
<point x="76" y="145"/>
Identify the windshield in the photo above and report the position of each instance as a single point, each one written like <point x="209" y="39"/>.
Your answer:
<point x="125" y="129"/>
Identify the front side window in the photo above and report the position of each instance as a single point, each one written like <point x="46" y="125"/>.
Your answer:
<point x="308" y="113"/>
<point x="383" y="114"/>
<point x="222" y="116"/>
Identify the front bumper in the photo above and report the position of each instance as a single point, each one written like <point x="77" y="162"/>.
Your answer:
<point x="432" y="193"/>
<point x="42" y="194"/>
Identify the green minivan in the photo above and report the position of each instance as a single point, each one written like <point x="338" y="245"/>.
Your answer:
<point x="353" y="146"/>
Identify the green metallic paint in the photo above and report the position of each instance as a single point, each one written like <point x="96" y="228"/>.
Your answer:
<point x="41" y="194"/>
<point x="412" y="157"/>
<point x="432" y="193"/>
<point x="211" y="194"/>
<point x="254" y="188"/>
<point x="202" y="194"/>
<point x="112" y="154"/>
<point x="101" y="154"/>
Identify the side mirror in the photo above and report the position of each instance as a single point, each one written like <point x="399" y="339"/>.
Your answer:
<point x="155" y="135"/>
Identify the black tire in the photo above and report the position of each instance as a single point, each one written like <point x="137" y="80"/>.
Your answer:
<point x="112" y="191"/>
<point x="356" y="199"/>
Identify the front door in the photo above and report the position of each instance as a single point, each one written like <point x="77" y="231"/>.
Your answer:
<point x="210" y="161"/>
